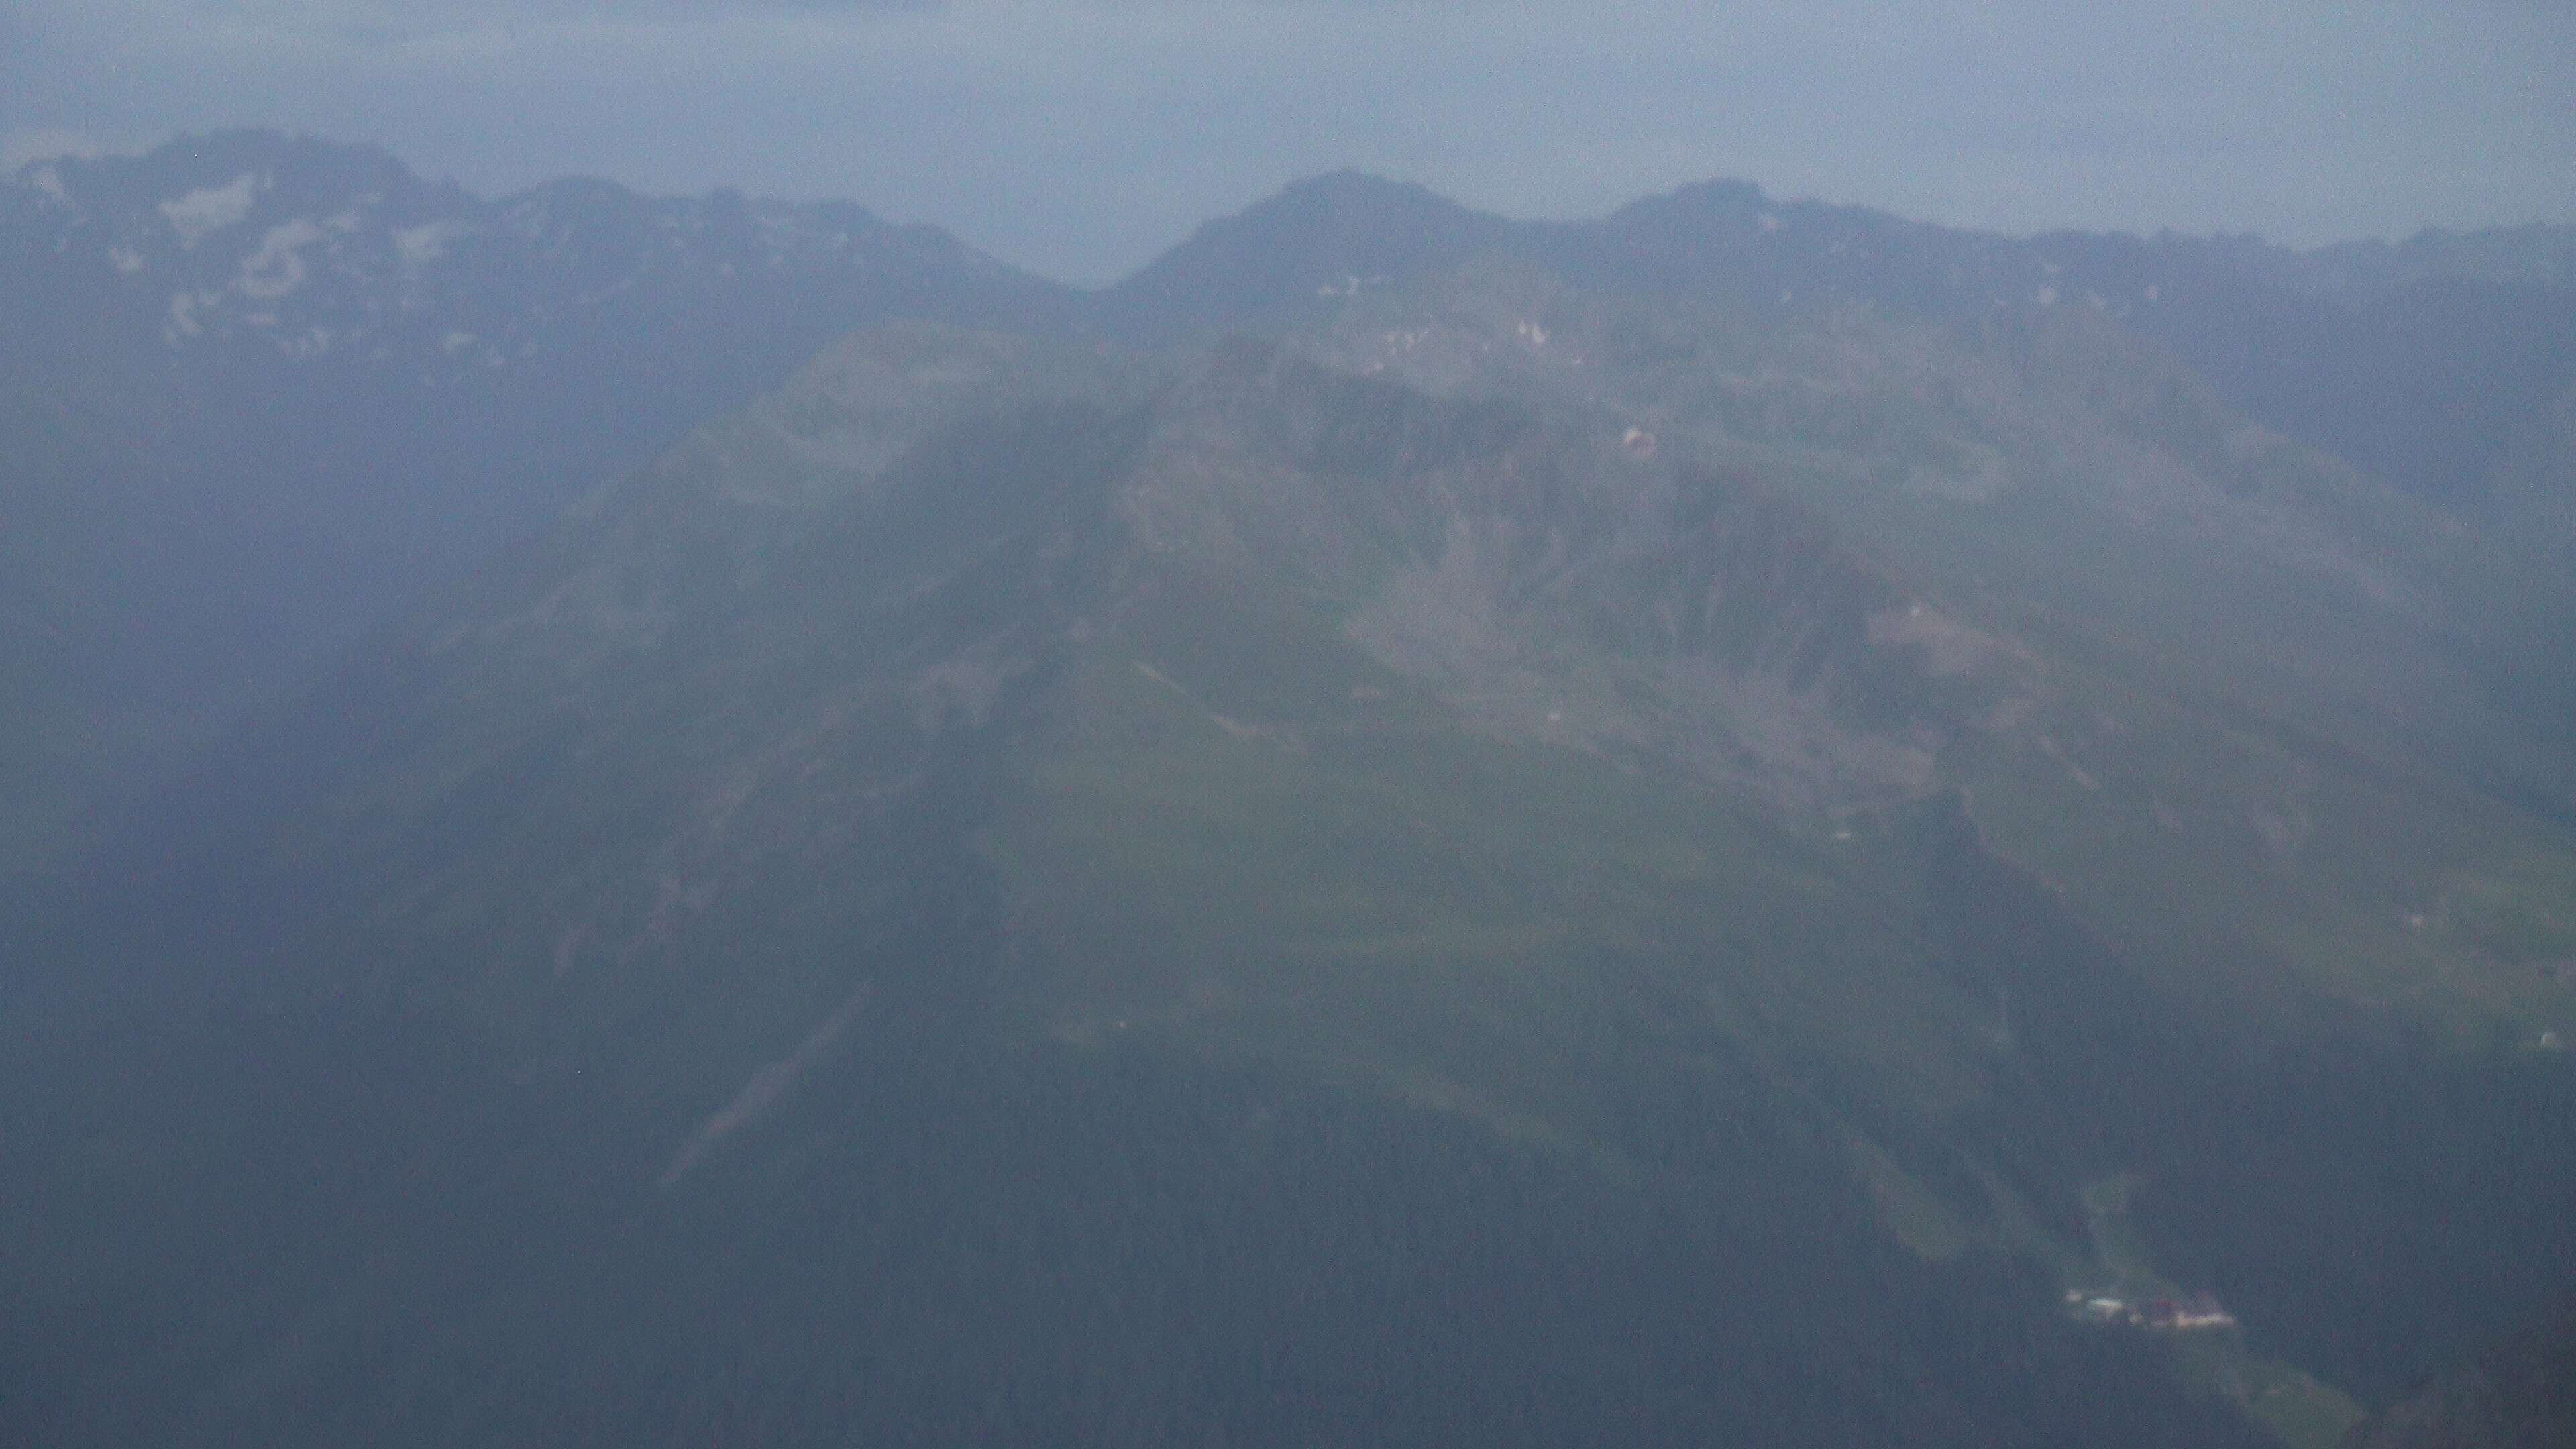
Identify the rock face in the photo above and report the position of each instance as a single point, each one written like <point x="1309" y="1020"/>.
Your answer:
<point x="2520" y="1393"/>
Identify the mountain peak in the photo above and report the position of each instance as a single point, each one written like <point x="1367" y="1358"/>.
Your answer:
<point x="1720" y="194"/>
<point x="1350" y="186"/>
<point x="297" y="161"/>
<point x="1328" y="235"/>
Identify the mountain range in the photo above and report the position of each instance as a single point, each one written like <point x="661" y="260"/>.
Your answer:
<point x="1714" y="826"/>
<point x="265" y="390"/>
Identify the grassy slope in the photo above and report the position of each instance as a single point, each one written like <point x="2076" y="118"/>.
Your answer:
<point x="1285" y="1001"/>
<point x="2287" y="751"/>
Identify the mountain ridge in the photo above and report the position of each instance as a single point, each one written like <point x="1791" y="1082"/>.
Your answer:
<point x="311" y="385"/>
<point x="1158" y="721"/>
<point x="1519" y="839"/>
<point x="2426" y="361"/>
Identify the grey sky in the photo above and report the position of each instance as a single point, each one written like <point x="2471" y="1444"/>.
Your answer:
<point x="1080" y="136"/>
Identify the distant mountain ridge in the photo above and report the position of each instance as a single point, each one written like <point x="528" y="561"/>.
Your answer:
<point x="2434" y="362"/>
<point x="1349" y="226"/>
<point x="250" y="243"/>
<point x="267" y="389"/>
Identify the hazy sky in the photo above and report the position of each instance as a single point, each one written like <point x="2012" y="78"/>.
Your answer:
<point x="1080" y="136"/>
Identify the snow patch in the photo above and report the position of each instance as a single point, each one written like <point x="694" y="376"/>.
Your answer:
<point x="780" y="235"/>
<point x="277" y="267"/>
<point x="1351" y="285"/>
<point x="210" y="209"/>
<point x="125" y="259"/>
<point x="421" y="245"/>
<point x="49" y="184"/>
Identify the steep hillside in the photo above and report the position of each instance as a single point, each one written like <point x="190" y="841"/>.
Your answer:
<point x="1505" y="866"/>
<point x="2519" y="1393"/>
<point x="2536" y="486"/>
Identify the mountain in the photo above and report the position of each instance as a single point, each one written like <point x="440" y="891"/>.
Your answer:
<point x="2520" y="1393"/>
<point x="2511" y="254"/>
<point x="1324" y="237"/>
<point x="1505" y="863"/>
<point x="2433" y="363"/>
<point x="263" y="390"/>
